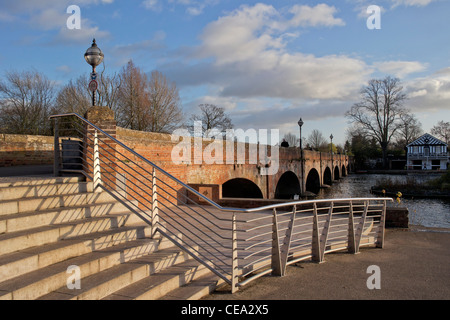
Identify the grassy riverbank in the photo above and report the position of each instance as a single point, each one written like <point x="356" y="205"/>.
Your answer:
<point x="413" y="187"/>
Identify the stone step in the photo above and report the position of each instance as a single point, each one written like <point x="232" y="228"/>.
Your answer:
<point x="31" y="181"/>
<point x="20" y="240"/>
<point x="25" y="220"/>
<point x="51" y="202"/>
<point x="104" y="283"/>
<point x="196" y="289"/>
<point x="43" y="281"/>
<point x="43" y="190"/>
<point x="161" y="283"/>
<point x="27" y="260"/>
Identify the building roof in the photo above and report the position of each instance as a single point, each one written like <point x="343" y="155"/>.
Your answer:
<point x="427" y="139"/>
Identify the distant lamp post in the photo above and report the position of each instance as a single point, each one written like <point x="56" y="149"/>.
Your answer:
<point x="331" y="147"/>
<point x="93" y="56"/>
<point x="300" y="124"/>
<point x="331" y="151"/>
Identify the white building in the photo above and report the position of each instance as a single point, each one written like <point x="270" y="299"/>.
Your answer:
<point x="427" y="153"/>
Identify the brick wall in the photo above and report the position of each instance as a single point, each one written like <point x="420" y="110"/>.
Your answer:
<point x="18" y="150"/>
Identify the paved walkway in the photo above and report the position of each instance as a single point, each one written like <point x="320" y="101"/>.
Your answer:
<point x="413" y="265"/>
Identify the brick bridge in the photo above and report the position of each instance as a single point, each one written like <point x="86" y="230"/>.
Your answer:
<point x="238" y="178"/>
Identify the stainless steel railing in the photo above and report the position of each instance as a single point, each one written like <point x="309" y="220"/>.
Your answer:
<point x="238" y="245"/>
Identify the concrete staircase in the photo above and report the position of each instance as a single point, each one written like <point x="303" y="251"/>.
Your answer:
<point x="52" y="228"/>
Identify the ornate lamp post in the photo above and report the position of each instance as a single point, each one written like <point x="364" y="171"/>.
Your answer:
<point x="300" y="124"/>
<point x="93" y="56"/>
<point x="331" y="151"/>
<point x="331" y="146"/>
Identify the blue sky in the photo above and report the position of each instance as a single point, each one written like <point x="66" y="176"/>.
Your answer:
<point x="267" y="62"/>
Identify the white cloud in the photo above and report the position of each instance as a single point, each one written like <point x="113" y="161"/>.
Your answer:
<point x="83" y="35"/>
<point x="194" y="7"/>
<point x="153" y="5"/>
<point x="320" y="15"/>
<point x="431" y="93"/>
<point x="416" y="3"/>
<point x="400" y="69"/>
<point x="244" y="63"/>
<point x="250" y="59"/>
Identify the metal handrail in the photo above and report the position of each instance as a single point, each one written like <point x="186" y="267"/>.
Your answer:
<point x="261" y="243"/>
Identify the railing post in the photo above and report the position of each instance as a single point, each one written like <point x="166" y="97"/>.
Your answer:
<point x="315" y="249"/>
<point x="360" y="228"/>
<point x="287" y="242"/>
<point x="96" y="169"/>
<point x="56" y="151"/>
<point x="234" y="257"/>
<point x="351" y="230"/>
<point x="155" y="215"/>
<point x="276" y="253"/>
<point x="280" y="254"/>
<point x="379" y="242"/>
<point x="325" y="231"/>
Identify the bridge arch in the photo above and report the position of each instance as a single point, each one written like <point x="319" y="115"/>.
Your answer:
<point x="288" y="185"/>
<point x="327" y="178"/>
<point x="336" y="173"/>
<point x="313" y="181"/>
<point x="241" y="188"/>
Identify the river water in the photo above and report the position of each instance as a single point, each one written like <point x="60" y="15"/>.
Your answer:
<point x="433" y="213"/>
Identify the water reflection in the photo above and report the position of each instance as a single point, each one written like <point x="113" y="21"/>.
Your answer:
<point x="425" y="212"/>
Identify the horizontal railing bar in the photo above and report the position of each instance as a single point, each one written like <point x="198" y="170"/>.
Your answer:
<point x="256" y="261"/>
<point x="259" y="218"/>
<point x="257" y="236"/>
<point x="256" y="253"/>
<point x="258" y="227"/>
<point x="256" y="244"/>
<point x="299" y="259"/>
<point x="256" y="276"/>
<point x="294" y="248"/>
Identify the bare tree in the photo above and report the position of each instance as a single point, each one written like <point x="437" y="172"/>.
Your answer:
<point x="147" y="104"/>
<point x="26" y="100"/>
<point x="211" y="117"/>
<point x="164" y="104"/>
<point x="442" y="131"/>
<point x="74" y="97"/>
<point x="109" y="90"/>
<point x="316" y="140"/>
<point x="409" y="130"/>
<point x="133" y="99"/>
<point x="291" y="139"/>
<point x="378" y="112"/>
